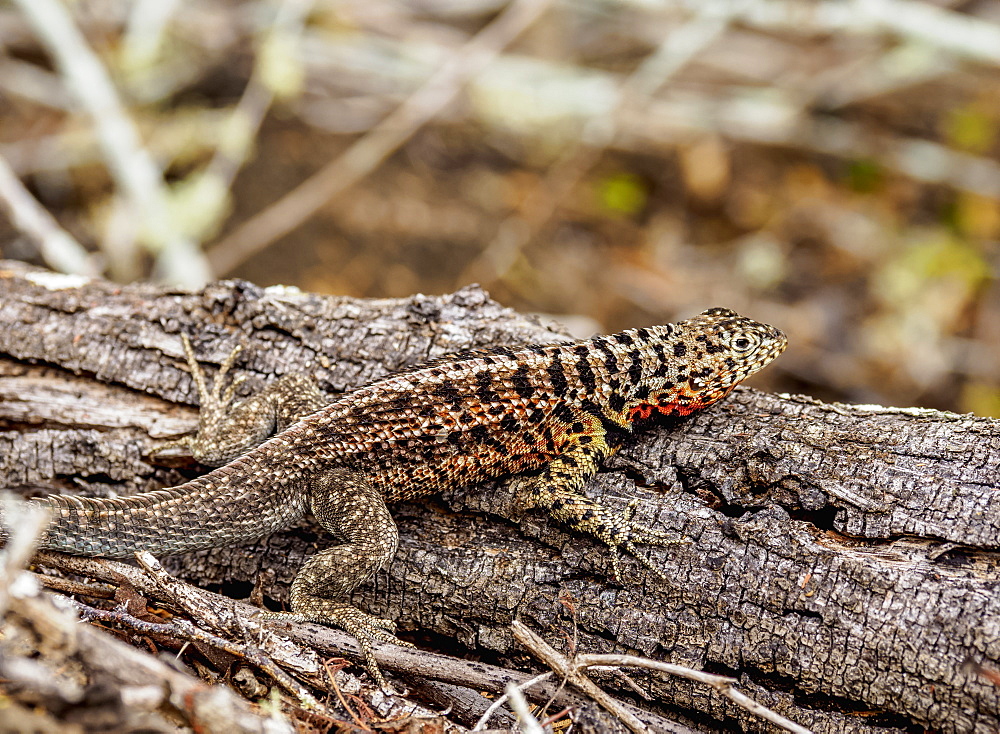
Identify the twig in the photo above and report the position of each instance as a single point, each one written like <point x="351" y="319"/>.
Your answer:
<point x="778" y="117"/>
<point x="122" y="667"/>
<point x="555" y="717"/>
<point x="501" y="700"/>
<point x="21" y="525"/>
<point x="145" y="31"/>
<point x="558" y="662"/>
<point x="343" y="702"/>
<point x="722" y="684"/>
<point x="474" y="675"/>
<point x="516" y="231"/>
<point x="79" y="588"/>
<point x="57" y="247"/>
<point x="145" y="683"/>
<point x="184" y="630"/>
<point x="132" y="167"/>
<point x="29" y="81"/>
<point x="367" y="153"/>
<point x="213" y="186"/>
<point x="958" y="33"/>
<point x="528" y="723"/>
<point x="220" y="614"/>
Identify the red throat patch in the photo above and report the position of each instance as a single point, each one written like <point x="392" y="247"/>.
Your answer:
<point x="645" y="411"/>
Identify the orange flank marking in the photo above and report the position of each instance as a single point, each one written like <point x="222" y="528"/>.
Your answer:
<point x="641" y="412"/>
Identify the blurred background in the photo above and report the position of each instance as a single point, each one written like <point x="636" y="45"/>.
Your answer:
<point x="830" y="167"/>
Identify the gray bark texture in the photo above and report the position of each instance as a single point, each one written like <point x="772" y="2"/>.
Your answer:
<point x="840" y="560"/>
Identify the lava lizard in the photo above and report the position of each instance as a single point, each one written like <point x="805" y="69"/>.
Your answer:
<point x="554" y="412"/>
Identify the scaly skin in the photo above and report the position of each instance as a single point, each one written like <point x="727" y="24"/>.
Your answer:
<point x="557" y="411"/>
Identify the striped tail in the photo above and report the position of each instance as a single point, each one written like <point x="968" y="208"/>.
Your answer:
<point x="227" y="506"/>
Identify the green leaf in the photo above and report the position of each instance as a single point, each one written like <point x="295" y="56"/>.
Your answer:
<point x="623" y="193"/>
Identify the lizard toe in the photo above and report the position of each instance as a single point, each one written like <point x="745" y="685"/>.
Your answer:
<point x="648" y="536"/>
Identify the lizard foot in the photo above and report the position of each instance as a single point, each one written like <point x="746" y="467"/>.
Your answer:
<point x="215" y="407"/>
<point x="558" y="490"/>
<point x="622" y="534"/>
<point x="367" y="629"/>
<point x="615" y="529"/>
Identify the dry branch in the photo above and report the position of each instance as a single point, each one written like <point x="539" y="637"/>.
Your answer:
<point x="132" y="166"/>
<point x="56" y="246"/>
<point x="573" y="669"/>
<point x="365" y="155"/>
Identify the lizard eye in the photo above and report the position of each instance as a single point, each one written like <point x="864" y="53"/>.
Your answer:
<point x="744" y="342"/>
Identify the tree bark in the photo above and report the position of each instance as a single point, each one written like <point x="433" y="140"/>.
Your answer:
<point x="839" y="560"/>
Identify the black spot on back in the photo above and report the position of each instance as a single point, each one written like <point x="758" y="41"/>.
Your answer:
<point x="635" y="373"/>
<point x="586" y="373"/>
<point x="563" y="413"/>
<point x="557" y="376"/>
<point x="523" y="385"/>
<point x="611" y="363"/>
<point x="446" y="391"/>
<point x="484" y="387"/>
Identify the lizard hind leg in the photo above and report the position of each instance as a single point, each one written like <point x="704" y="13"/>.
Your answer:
<point x="354" y="511"/>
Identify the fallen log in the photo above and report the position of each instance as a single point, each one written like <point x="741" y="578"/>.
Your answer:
<point x="839" y="560"/>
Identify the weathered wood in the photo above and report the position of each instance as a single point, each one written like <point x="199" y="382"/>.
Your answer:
<point x="840" y="560"/>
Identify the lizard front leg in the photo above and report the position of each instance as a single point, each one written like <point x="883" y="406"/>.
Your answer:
<point x="558" y="489"/>
<point x="355" y="512"/>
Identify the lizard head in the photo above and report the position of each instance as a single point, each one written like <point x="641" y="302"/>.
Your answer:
<point x="694" y="363"/>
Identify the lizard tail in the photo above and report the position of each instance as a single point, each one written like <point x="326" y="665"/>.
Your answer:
<point x="220" y="508"/>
